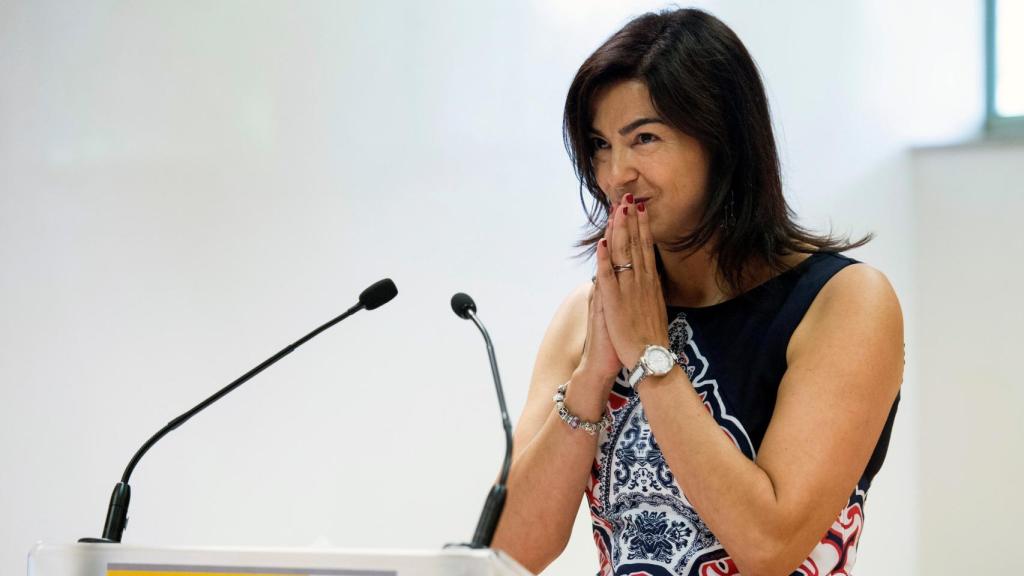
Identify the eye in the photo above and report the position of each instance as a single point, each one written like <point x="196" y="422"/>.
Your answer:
<point x="598" y="144"/>
<point x="646" y="138"/>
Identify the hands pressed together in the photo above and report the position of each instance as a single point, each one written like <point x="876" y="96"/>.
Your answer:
<point x="627" y="308"/>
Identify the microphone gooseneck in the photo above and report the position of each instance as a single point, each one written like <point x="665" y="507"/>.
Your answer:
<point x="378" y="294"/>
<point x="464" y="307"/>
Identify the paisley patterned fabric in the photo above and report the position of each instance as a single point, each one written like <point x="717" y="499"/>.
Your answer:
<point x="642" y="520"/>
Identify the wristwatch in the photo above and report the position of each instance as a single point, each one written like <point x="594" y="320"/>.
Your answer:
<point x="655" y="361"/>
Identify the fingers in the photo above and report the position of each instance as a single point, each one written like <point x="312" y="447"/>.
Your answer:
<point x="602" y="251"/>
<point x="605" y="276"/>
<point x="629" y="301"/>
<point x="621" y="252"/>
<point x="610" y="227"/>
<point x="599" y="318"/>
<point x="646" y="240"/>
<point x="636" y="255"/>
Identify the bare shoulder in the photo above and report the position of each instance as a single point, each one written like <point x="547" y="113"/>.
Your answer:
<point x="860" y="279"/>
<point x="859" y="299"/>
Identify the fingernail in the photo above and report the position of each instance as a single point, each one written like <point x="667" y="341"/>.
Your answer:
<point x="604" y="242"/>
<point x="640" y="207"/>
<point x="629" y="198"/>
<point x="625" y="210"/>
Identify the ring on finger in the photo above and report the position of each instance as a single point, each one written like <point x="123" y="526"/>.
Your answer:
<point x="622" y="267"/>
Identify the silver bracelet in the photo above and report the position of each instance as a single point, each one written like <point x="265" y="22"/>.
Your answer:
<point x="575" y="421"/>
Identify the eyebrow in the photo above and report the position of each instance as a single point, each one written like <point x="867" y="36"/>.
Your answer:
<point x="632" y="125"/>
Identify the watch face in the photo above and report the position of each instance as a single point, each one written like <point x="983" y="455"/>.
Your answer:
<point x="659" y="360"/>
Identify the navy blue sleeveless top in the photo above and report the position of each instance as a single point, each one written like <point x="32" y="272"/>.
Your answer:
<point x="735" y="355"/>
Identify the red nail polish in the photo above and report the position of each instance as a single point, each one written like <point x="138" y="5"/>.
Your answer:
<point x="629" y="198"/>
<point x="625" y="210"/>
<point x="604" y="242"/>
<point x="640" y="207"/>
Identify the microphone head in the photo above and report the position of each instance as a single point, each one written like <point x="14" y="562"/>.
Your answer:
<point x="462" y="305"/>
<point x="378" y="294"/>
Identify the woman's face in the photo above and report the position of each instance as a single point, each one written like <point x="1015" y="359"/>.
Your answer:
<point x="637" y="152"/>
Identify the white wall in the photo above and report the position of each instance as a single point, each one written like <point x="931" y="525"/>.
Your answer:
<point x="969" y="200"/>
<point x="187" y="187"/>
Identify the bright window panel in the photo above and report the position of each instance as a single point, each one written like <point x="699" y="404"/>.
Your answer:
<point x="1009" y="44"/>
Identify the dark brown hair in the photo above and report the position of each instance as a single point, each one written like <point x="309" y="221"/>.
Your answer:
<point x="703" y="82"/>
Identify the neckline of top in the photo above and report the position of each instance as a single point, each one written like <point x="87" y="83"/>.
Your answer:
<point x="746" y="295"/>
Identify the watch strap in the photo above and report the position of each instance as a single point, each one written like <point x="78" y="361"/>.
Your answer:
<point x="638" y="374"/>
<point x="642" y="370"/>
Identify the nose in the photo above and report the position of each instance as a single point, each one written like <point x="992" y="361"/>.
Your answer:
<point x="619" y="173"/>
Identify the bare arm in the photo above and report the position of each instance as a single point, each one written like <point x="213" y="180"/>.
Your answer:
<point x="844" y="368"/>
<point x="845" y="365"/>
<point x="551" y="462"/>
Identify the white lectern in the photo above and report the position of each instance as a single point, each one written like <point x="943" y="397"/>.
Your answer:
<point x="127" y="560"/>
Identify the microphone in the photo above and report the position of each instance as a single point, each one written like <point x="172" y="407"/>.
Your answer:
<point x="465" y="308"/>
<point x="378" y="294"/>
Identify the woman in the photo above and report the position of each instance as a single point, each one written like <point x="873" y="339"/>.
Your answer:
<point x="746" y="440"/>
